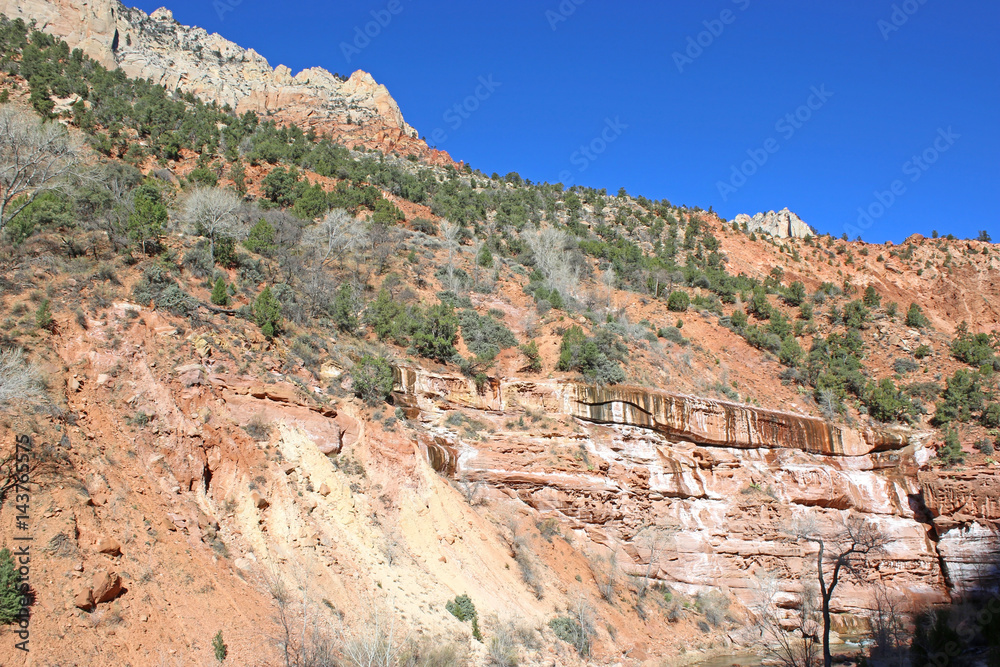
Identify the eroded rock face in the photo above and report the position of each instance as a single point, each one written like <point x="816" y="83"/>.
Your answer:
<point x="357" y="111"/>
<point x="718" y="484"/>
<point x="965" y="508"/>
<point x="783" y="224"/>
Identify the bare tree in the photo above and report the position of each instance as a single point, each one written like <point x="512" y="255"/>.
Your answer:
<point x="660" y="276"/>
<point x="788" y="649"/>
<point x="470" y="488"/>
<point x="608" y="278"/>
<point x="386" y="240"/>
<point x="477" y="247"/>
<point x="522" y="555"/>
<point x="339" y="232"/>
<point x="846" y="551"/>
<point x="888" y="634"/>
<point x="450" y="232"/>
<point x="378" y="642"/>
<point x="503" y="647"/>
<point x="282" y="599"/>
<point x="605" y="571"/>
<point x="35" y="156"/>
<point x="582" y="613"/>
<point x="652" y="540"/>
<point x="215" y="214"/>
<point x="548" y="247"/>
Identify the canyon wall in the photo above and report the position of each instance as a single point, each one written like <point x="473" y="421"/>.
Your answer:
<point x="708" y="490"/>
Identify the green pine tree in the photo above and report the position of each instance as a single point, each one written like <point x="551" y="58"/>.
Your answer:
<point x="343" y="309"/>
<point x="146" y="221"/>
<point x="220" y="293"/>
<point x="261" y="238"/>
<point x="219" y="646"/>
<point x="267" y="313"/>
<point x="10" y="584"/>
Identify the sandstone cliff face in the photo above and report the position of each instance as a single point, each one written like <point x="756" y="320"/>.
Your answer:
<point x="783" y="224"/>
<point x="357" y="111"/>
<point x="720" y="483"/>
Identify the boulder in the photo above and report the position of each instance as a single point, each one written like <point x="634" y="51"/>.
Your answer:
<point x="106" y="586"/>
<point x="84" y="599"/>
<point x="108" y="545"/>
<point x="191" y="378"/>
<point x="331" y="445"/>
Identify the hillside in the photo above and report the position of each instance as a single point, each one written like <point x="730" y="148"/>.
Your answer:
<point x="306" y="382"/>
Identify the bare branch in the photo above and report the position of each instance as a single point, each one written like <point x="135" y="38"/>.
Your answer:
<point x="845" y="550"/>
<point x="215" y="214"/>
<point x="339" y="232"/>
<point x="35" y="156"/>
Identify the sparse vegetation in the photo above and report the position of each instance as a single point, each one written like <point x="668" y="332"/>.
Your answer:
<point x="463" y="609"/>
<point x="10" y="588"/>
<point x="334" y="276"/>
<point x="373" y="379"/>
<point x="580" y="353"/>
<point x="950" y="453"/>
<point x="219" y="647"/>
<point x="915" y="317"/>
<point x="258" y="427"/>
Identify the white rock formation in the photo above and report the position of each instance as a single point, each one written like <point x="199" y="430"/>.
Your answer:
<point x="783" y="224"/>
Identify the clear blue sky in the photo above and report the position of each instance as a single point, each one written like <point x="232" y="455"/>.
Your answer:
<point x="927" y="86"/>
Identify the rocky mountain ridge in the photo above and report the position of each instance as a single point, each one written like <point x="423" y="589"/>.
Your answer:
<point x="357" y="111"/>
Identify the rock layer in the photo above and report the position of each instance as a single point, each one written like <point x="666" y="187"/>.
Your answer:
<point x="356" y="110"/>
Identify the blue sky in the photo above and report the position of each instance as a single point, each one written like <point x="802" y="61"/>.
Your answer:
<point x="741" y="105"/>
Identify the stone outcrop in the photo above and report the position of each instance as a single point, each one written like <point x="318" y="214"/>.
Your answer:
<point x="719" y="483"/>
<point x="356" y="110"/>
<point x="783" y="224"/>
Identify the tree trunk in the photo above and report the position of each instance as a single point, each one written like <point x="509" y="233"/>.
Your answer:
<point x="827" y="656"/>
